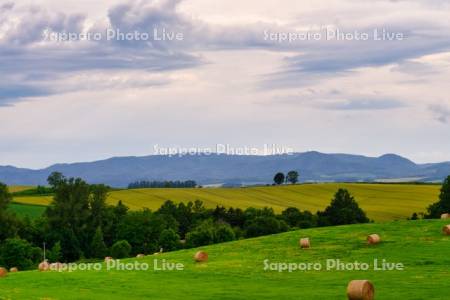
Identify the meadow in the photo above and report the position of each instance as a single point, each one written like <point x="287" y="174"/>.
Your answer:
<point x="236" y="270"/>
<point x="382" y="202"/>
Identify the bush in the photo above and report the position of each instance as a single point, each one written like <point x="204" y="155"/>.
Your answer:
<point x="202" y="235"/>
<point x="223" y="233"/>
<point x="121" y="249"/>
<point x="264" y="226"/>
<point x="16" y="253"/>
<point x="169" y="240"/>
<point x="297" y="219"/>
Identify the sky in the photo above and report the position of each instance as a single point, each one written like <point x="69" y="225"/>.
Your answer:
<point x="339" y="76"/>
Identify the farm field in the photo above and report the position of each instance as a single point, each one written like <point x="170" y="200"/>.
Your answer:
<point x="235" y="270"/>
<point x="382" y="202"/>
<point x="30" y="210"/>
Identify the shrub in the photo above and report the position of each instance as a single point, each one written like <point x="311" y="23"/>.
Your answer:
<point x="223" y="233"/>
<point x="202" y="235"/>
<point x="169" y="240"/>
<point x="16" y="253"/>
<point x="264" y="226"/>
<point x="121" y="249"/>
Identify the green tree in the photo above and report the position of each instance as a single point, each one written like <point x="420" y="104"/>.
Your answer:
<point x="264" y="225"/>
<point x="5" y="197"/>
<point x="8" y="222"/>
<point x="297" y="219"/>
<point x="169" y="240"/>
<point x="69" y="217"/>
<point x="223" y="233"/>
<point x="16" y="253"/>
<point x="98" y="247"/>
<point x="292" y="177"/>
<point x="54" y="255"/>
<point x="278" y="178"/>
<point x="443" y="205"/>
<point x="202" y="235"/>
<point x="121" y="249"/>
<point x="342" y="210"/>
<point x="55" y="179"/>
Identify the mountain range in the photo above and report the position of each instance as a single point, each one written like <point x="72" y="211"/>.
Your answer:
<point x="236" y="169"/>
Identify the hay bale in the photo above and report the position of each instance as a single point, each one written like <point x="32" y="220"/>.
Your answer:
<point x="3" y="272"/>
<point x="373" y="239"/>
<point x="445" y="216"/>
<point x="446" y="229"/>
<point x="13" y="270"/>
<point x="108" y="258"/>
<point x="360" y="290"/>
<point x="305" y="243"/>
<point x="44" y="266"/>
<point x="140" y="255"/>
<point x="201" y="256"/>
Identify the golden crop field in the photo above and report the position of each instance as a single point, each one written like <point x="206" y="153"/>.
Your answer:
<point x="382" y="202"/>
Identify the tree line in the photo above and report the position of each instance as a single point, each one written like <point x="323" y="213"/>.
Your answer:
<point x="79" y="224"/>
<point x="141" y="184"/>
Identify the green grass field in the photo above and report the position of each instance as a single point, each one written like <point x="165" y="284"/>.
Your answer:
<point x="235" y="270"/>
<point x="30" y="210"/>
<point x="382" y="202"/>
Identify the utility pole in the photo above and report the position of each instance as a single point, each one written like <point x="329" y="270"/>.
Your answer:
<point x="44" y="252"/>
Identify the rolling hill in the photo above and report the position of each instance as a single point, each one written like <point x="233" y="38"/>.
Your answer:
<point x="382" y="202"/>
<point x="235" y="169"/>
<point x="238" y="270"/>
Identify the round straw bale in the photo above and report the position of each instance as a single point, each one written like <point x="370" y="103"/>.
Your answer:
<point x="3" y="272"/>
<point x="13" y="270"/>
<point x="373" y="239"/>
<point x="446" y="229"/>
<point x="201" y="256"/>
<point x="140" y="255"/>
<point x="305" y="243"/>
<point x="360" y="290"/>
<point x="445" y="216"/>
<point x="44" y="266"/>
<point x="108" y="258"/>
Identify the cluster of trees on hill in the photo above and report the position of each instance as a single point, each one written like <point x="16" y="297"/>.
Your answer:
<point x="79" y="224"/>
<point x="162" y="184"/>
<point x="290" y="177"/>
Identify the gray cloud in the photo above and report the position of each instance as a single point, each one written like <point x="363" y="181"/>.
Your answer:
<point x="365" y="104"/>
<point x="24" y="57"/>
<point x="440" y="113"/>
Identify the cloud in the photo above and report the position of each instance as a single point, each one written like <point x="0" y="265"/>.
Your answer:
<point x="365" y="104"/>
<point x="39" y="65"/>
<point x="441" y="113"/>
<point x="8" y="94"/>
<point x="27" y="59"/>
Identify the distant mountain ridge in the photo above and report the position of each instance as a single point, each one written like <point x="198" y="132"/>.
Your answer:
<point x="235" y="169"/>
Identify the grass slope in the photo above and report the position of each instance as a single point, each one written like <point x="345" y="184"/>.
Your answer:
<point x="30" y="210"/>
<point x="382" y="202"/>
<point x="235" y="270"/>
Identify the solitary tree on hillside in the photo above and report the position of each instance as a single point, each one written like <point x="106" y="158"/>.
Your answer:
<point x="292" y="177"/>
<point x="443" y="205"/>
<point x="279" y="178"/>
<point x="342" y="210"/>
